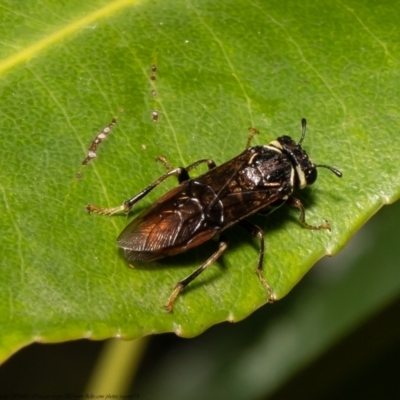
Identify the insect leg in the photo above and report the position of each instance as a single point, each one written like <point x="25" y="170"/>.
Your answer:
<point x="181" y="173"/>
<point x="165" y="162"/>
<point x="257" y="232"/>
<point x="210" y="164"/>
<point x="184" y="282"/>
<point x="253" y="132"/>
<point x="292" y="201"/>
<point x="128" y="204"/>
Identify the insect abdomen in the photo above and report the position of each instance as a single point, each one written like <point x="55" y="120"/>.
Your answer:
<point x="175" y="223"/>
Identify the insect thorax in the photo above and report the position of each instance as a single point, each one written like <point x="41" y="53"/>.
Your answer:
<point x="267" y="168"/>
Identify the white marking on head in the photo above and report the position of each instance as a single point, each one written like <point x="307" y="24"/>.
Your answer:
<point x="302" y="177"/>
<point x="292" y="177"/>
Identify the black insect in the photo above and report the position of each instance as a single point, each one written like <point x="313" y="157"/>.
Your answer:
<point x="260" y="178"/>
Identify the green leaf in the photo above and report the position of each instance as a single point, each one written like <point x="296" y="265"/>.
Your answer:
<point x="68" y="69"/>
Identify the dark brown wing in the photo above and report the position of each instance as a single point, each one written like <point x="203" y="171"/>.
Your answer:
<point x="170" y="226"/>
<point x="248" y="203"/>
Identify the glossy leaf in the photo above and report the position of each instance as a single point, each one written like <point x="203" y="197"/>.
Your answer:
<point x="68" y="69"/>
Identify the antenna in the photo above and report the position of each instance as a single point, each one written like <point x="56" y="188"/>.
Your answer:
<point x="334" y="170"/>
<point x="303" y="130"/>
<point x="303" y="134"/>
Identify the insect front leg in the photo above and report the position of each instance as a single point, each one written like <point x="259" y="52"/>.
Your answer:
<point x="181" y="173"/>
<point x="184" y="282"/>
<point x="259" y="234"/>
<point x="292" y="201"/>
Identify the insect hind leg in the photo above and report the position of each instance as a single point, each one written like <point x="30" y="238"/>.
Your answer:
<point x="184" y="176"/>
<point x="128" y="204"/>
<point x="210" y="164"/>
<point x="259" y="234"/>
<point x="184" y="282"/>
<point x="181" y="173"/>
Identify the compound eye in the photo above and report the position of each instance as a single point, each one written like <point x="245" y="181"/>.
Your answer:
<point x="311" y="175"/>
